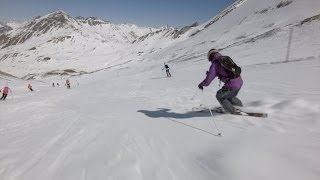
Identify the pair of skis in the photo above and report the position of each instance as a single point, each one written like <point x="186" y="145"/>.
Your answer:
<point x="220" y="110"/>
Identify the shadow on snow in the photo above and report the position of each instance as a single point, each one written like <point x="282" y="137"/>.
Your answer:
<point x="166" y="113"/>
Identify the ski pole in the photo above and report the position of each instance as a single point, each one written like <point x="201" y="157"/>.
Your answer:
<point x="214" y="122"/>
<point x="199" y="129"/>
<point x="194" y="94"/>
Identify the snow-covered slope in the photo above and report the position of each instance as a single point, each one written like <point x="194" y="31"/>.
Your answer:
<point x="138" y="125"/>
<point x="263" y="26"/>
<point x="128" y="121"/>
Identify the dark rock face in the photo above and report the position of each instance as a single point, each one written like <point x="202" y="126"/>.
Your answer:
<point x="4" y="28"/>
<point x="37" y="27"/>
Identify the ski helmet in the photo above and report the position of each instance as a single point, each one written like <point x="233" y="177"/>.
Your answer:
<point x="211" y="52"/>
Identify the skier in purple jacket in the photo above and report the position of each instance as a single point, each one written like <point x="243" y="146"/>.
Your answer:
<point x="227" y="94"/>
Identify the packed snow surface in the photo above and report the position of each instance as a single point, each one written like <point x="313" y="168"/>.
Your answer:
<point x="129" y="121"/>
<point x="139" y="125"/>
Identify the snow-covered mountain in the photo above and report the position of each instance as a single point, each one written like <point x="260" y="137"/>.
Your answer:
<point x="60" y="44"/>
<point x="55" y="41"/>
<point x="58" y="23"/>
<point x="247" y="24"/>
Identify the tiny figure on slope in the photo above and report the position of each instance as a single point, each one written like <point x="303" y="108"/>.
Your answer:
<point x="5" y="90"/>
<point x="166" y="67"/>
<point x="68" y="84"/>
<point x="228" y="72"/>
<point x="30" y="87"/>
<point x="53" y="84"/>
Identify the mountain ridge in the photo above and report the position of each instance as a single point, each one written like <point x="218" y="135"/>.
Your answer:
<point x="90" y="44"/>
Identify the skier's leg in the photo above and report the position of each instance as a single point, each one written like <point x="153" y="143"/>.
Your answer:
<point x="5" y="96"/>
<point x="227" y="106"/>
<point x="2" y="98"/>
<point x="234" y="100"/>
<point x="223" y="96"/>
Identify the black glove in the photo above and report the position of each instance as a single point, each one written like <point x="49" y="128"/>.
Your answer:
<point x="200" y="86"/>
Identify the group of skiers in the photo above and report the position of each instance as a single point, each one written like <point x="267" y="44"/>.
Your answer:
<point x="54" y="84"/>
<point x="67" y="84"/>
<point x="5" y="90"/>
<point x="221" y="66"/>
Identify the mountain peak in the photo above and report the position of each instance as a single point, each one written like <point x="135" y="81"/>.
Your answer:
<point x="41" y="25"/>
<point x="59" y="16"/>
<point x="57" y="13"/>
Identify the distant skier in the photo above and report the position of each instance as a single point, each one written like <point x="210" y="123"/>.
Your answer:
<point x="30" y="87"/>
<point x="53" y="84"/>
<point x="5" y="91"/>
<point x="166" y="67"/>
<point x="58" y="84"/>
<point x="68" y="83"/>
<point x="228" y="72"/>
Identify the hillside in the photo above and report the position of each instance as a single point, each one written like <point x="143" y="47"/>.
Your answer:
<point x="123" y="119"/>
<point x="57" y="42"/>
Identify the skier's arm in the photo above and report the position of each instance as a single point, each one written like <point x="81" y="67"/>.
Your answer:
<point x="211" y="74"/>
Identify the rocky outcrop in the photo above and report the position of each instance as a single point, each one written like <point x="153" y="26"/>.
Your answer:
<point x="92" y="21"/>
<point x="38" y="27"/>
<point x="4" y="28"/>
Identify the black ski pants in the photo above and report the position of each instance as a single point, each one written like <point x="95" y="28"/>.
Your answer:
<point x="4" y="96"/>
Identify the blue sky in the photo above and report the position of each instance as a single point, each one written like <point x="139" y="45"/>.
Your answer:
<point x="154" y="13"/>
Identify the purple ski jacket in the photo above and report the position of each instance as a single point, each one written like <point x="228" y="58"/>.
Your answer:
<point x="216" y="70"/>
